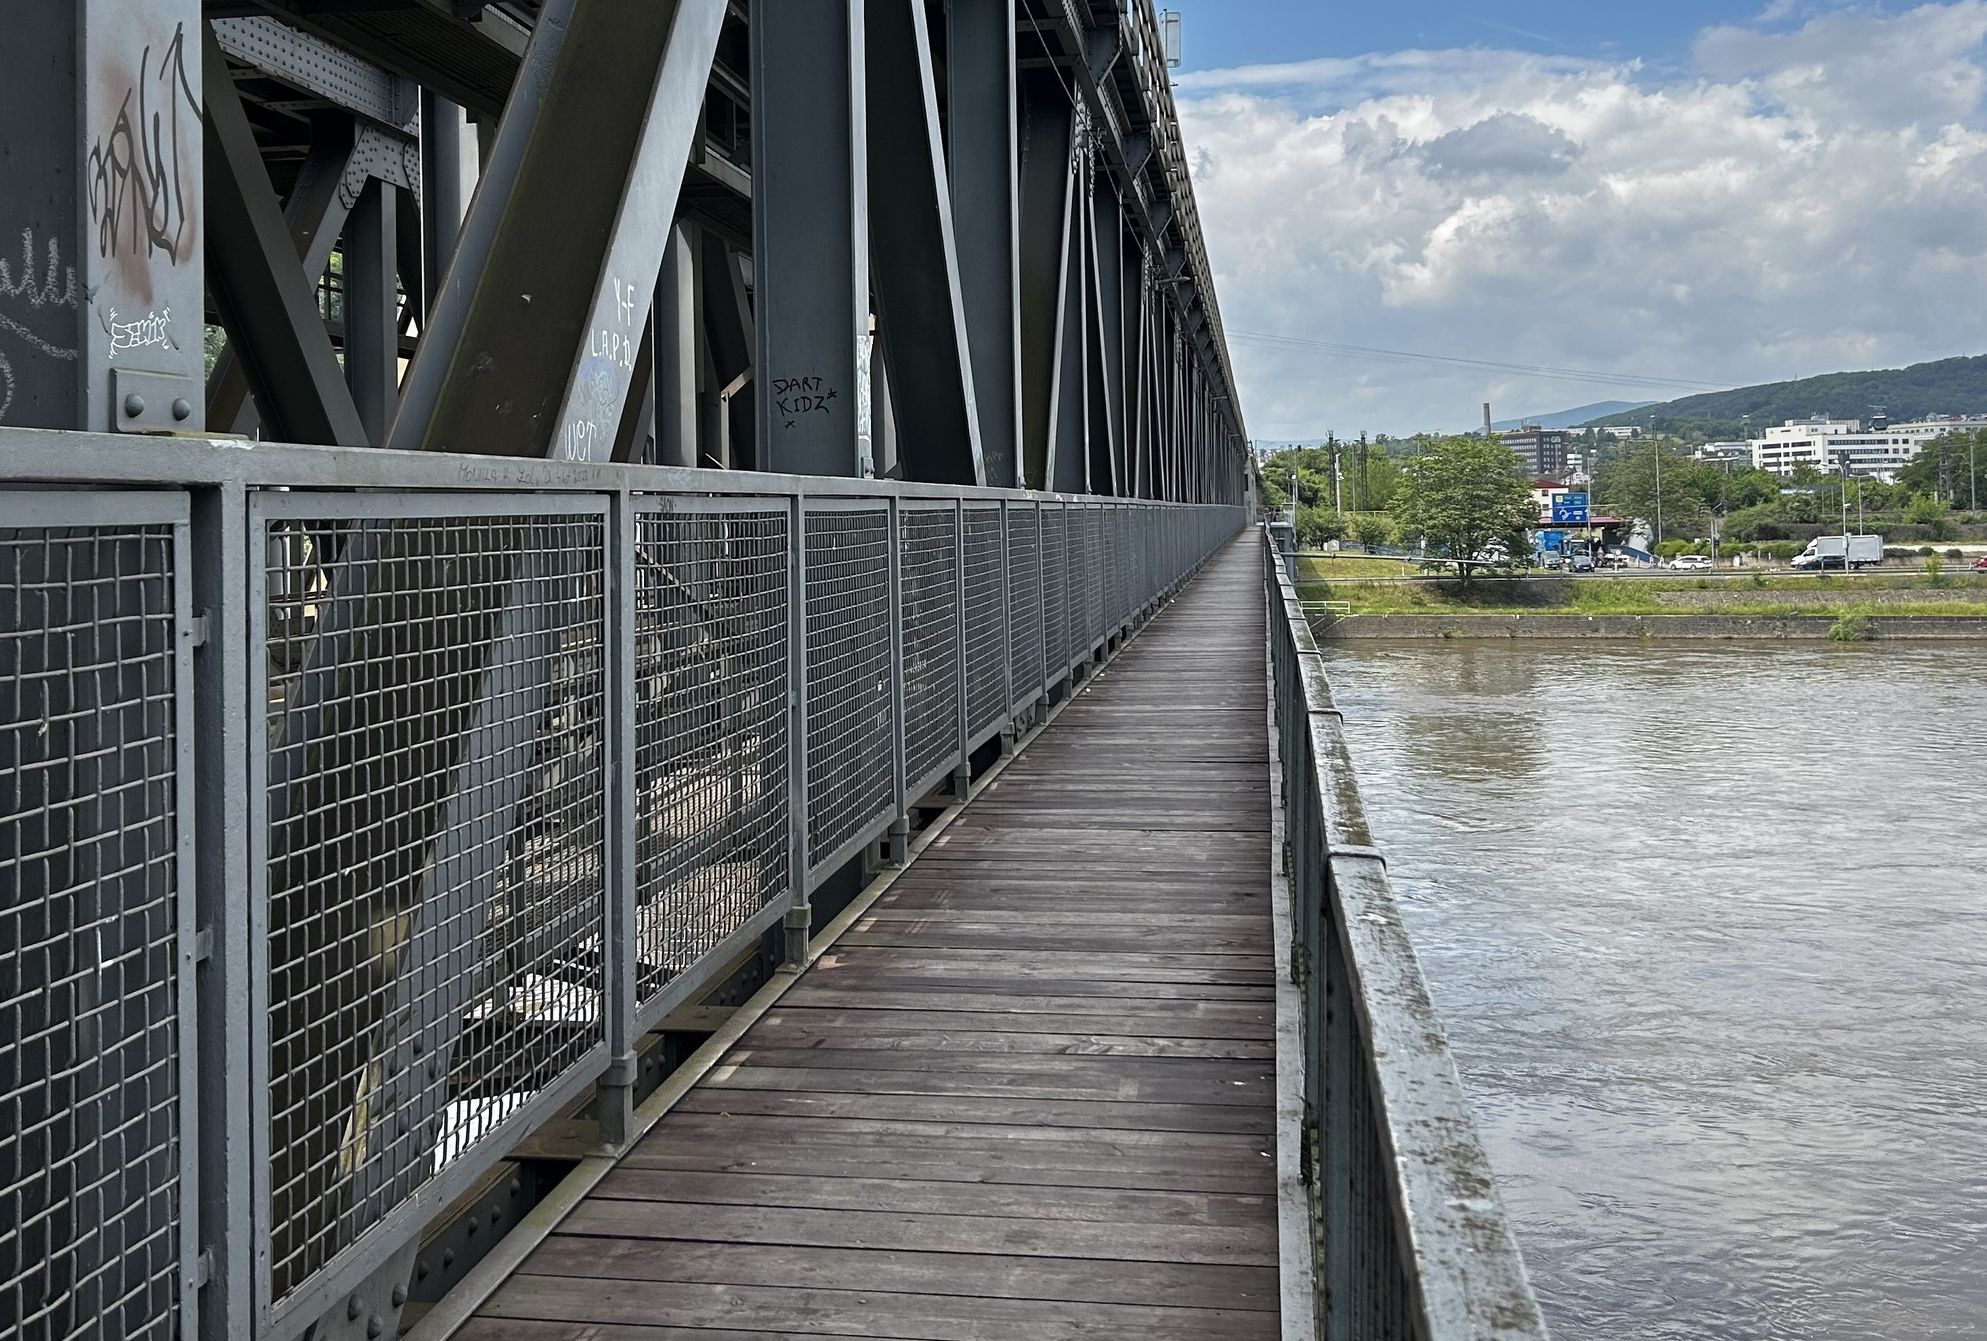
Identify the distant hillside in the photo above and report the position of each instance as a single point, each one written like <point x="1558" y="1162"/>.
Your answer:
<point x="1580" y="415"/>
<point x="1949" y="386"/>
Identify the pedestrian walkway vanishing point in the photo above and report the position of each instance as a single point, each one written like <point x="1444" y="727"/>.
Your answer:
<point x="1028" y="1094"/>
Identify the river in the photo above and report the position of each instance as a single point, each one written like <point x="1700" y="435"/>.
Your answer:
<point x="1708" y="927"/>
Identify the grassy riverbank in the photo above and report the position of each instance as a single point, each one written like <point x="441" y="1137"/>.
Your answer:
<point x="1760" y="595"/>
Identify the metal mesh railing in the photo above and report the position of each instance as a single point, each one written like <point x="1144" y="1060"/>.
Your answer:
<point x="928" y="560"/>
<point x="433" y="845"/>
<point x="92" y="1206"/>
<point x="1024" y="602"/>
<point x="1055" y="590"/>
<point x="849" y="728"/>
<point x="711" y="727"/>
<point x="986" y="638"/>
<point x="1407" y="1235"/>
<point x="498" y="780"/>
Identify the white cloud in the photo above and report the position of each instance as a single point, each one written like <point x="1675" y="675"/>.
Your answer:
<point x="1803" y="201"/>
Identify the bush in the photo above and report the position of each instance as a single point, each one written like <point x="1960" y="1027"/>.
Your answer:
<point x="1850" y="628"/>
<point x="1374" y="530"/>
<point x="1955" y="555"/>
<point x="1924" y="551"/>
<point x="1935" y="570"/>
<point x="1315" y="526"/>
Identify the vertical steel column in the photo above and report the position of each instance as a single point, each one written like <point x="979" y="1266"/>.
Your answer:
<point x="101" y="220"/>
<point x="1042" y="601"/>
<point x="616" y="1098"/>
<point x="799" y="917"/>
<point x="986" y="204"/>
<point x="900" y="827"/>
<point x="443" y="194"/>
<point x="372" y="326"/>
<point x="675" y="317"/>
<point x="810" y="233"/>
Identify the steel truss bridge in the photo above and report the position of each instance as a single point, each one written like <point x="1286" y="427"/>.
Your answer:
<point x="634" y="701"/>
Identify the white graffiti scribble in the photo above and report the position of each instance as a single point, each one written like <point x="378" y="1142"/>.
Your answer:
<point x="144" y="333"/>
<point x="33" y="287"/>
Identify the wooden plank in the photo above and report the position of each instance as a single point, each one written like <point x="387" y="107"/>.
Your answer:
<point x="1040" y="1164"/>
<point x="808" y="1191"/>
<point x="1025" y="1036"/>
<point x="1080" y="1114"/>
<point x="899" y="1230"/>
<point x="1100" y="1083"/>
<point x="808" y="1312"/>
<point x="973" y="1275"/>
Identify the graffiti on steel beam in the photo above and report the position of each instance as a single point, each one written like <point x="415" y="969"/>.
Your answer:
<point x="43" y="281"/>
<point x="139" y="172"/>
<point x="796" y="397"/>
<point x="594" y="411"/>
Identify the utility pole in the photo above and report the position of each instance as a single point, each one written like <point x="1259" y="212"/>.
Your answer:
<point x="1657" y="448"/>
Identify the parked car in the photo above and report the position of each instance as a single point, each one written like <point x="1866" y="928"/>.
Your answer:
<point x="1614" y="561"/>
<point x="1691" y="561"/>
<point x="1552" y="561"/>
<point x="1579" y="561"/>
<point x="1980" y="564"/>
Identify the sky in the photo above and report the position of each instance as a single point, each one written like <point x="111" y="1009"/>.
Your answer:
<point x="1577" y="202"/>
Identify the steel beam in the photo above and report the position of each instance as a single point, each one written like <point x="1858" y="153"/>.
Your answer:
<point x="532" y="343"/>
<point x="372" y="326"/>
<point x="1047" y="163"/>
<point x="315" y="214"/>
<point x="984" y="172"/>
<point x="268" y="306"/>
<point x="675" y="377"/>
<point x="444" y="190"/>
<point x="101" y="217"/>
<point x="810" y="232"/>
<point x="1105" y="339"/>
<point x="1069" y="386"/>
<point x="915" y="259"/>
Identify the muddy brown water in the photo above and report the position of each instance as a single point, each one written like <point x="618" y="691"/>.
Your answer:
<point x="1708" y="927"/>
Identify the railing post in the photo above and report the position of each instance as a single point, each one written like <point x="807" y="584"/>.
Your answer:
<point x="1010" y="731"/>
<point x="962" y="772"/>
<point x="227" y="1096"/>
<point x="616" y="1097"/>
<point x="900" y="824"/>
<point x="800" y="916"/>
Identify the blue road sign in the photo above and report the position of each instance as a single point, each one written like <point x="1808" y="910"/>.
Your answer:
<point x="1569" y="509"/>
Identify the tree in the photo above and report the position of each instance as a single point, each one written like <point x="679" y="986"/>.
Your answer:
<point x="1461" y="497"/>
<point x="1627" y="486"/>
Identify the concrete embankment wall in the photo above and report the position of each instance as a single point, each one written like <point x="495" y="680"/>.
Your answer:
<point x="1763" y="627"/>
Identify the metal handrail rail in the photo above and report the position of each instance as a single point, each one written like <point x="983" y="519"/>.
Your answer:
<point x="1409" y="1237"/>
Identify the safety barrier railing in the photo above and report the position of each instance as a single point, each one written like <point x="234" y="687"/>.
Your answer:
<point x="359" y="812"/>
<point x="1409" y="1240"/>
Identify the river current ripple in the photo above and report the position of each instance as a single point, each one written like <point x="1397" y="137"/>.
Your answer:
<point x="1708" y="927"/>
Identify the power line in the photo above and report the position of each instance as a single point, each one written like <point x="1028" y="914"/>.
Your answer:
<point x="1527" y="369"/>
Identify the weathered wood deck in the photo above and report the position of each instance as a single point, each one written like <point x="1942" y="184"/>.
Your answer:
<point x="1030" y="1094"/>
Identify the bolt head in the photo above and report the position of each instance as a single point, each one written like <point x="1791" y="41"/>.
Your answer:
<point x="182" y="409"/>
<point x="134" y="405"/>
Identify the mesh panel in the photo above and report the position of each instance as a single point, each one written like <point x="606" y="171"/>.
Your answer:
<point x="434" y="851"/>
<point x="89" y="1156"/>
<point x="1096" y="564"/>
<point x="711" y="729"/>
<point x="1055" y="603"/>
<point x="986" y="653"/>
<point x="1024" y="601"/>
<point x="848" y="676"/>
<point x="929" y="567"/>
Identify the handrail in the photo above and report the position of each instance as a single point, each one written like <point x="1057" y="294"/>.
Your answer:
<point x="1409" y="1238"/>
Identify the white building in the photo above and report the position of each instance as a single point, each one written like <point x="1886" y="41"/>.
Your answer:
<point x="1833" y="445"/>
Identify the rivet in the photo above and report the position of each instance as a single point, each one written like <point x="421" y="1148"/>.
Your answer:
<point x="181" y="409"/>
<point x="517" y="1186"/>
<point x="399" y="1295"/>
<point x="376" y="1327"/>
<point x="421" y="1269"/>
<point x="352" y="1309"/>
<point x="448" y="1258"/>
<point x="474" y="1224"/>
<point x="134" y="405"/>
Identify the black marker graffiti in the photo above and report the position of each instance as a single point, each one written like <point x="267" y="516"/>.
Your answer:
<point x="135" y="172"/>
<point x="796" y="396"/>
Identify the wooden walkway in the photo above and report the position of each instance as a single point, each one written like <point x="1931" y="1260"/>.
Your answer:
<point x="1030" y="1094"/>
